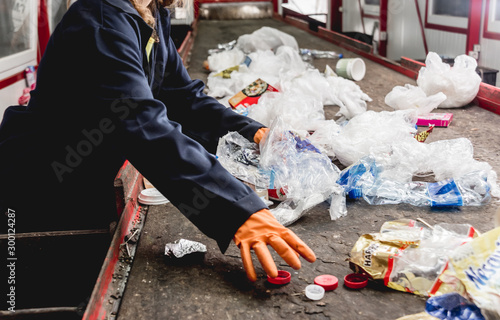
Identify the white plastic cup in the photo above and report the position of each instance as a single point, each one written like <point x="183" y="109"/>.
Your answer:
<point x="353" y="69"/>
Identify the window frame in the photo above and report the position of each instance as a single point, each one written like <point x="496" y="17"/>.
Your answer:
<point x="491" y="26"/>
<point x="12" y="64"/>
<point x="370" y="10"/>
<point x="444" y="22"/>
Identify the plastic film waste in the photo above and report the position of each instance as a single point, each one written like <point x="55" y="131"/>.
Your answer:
<point x="265" y="38"/>
<point x="307" y="175"/>
<point x="412" y="97"/>
<point x="459" y="83"/>
<point x="363" y="179"/>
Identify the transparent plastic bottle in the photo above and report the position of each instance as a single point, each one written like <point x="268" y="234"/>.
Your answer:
<point x="363" y="180"/>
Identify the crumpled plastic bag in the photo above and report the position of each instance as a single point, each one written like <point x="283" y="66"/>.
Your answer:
<point x="346" y="94"/>
<point x="225" y="59"/>
<point x="265" y="38"/>
<point x="372" y="131"/>
<point x="242" y="159"/>
<point x="183" y="247"/>
<point x="459" y="83"/>
<point x="412" y="97"/>
<point x="299" y="111"/>
<point x="307" y="176"/>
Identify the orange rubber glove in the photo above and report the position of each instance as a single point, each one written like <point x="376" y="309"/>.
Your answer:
<point x="260" y="135"/>
<point x="262" y="229"/>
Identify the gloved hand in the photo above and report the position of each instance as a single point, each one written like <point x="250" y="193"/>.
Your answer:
<point x="260" y="135"/>
<point x="262" y="229"/>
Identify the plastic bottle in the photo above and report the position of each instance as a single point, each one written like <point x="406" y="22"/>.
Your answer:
<point x="363" y="180"/>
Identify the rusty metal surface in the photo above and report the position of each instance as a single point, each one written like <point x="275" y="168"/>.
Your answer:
<point x="214" y="286"/>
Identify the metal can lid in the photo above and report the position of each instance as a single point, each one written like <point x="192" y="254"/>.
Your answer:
<point x="282" y="278"/>
<point x="328" y="282"/>
<point x="355" y="280"/>
<point x="315" y="292"/>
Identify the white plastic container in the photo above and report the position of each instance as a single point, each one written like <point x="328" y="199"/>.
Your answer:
<point x="315" y="292"/>
<point x="152" y="196"/>
<point x="353" y="69"/>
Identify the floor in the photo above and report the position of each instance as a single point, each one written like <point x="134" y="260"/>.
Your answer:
<point x="214" y="285"/>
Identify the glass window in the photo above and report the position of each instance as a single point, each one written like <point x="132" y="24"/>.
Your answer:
<point x="454" y="8"/>
<point x="373" y="2"/>
<point x="57" y="9"/>
<point x="14" y="27"/>
<point x="497" y="10"/>
<point x="492" y="21"/>
<point x="18" y="35"/>
<point x="448" y="15"/>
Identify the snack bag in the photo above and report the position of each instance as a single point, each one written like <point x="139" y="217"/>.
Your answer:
<point x="477" y="265"/>
<point x="409" y="256"/>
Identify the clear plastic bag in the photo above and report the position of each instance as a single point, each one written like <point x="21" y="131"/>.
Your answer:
<point x="299" y="111"/>
<point x="265" y="38"/>
<point x="242" y="159"/>
<point x="307" y="176"/>
<point x="373" y="131"/>
<point x="412" y="97"/>
<point x="459" y="83"/>
<point x="225" y="59"/>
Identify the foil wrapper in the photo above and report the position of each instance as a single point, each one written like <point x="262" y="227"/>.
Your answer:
<point x="183" y="247"/>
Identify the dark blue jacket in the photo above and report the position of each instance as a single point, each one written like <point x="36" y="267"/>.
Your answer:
<point x="99" y="101"/>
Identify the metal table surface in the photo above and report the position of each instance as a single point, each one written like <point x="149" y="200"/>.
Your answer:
<point x="214" y="286"/>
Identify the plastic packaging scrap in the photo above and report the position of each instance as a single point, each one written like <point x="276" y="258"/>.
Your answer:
<point x="265" y="38"/>
<point x="476" y="266"/>
<point x="370" y="130"/>
<point x="183" y="247"/>
<point x="452" y="306"/>
<point x="459" y="83"/>
<point x="364" y="179"/>
<point x="418" y="316"/>
<point x="409" y="257"/>
<point x="242" y="159"/>
<point x="226" y="73"/>
<point x="223" y="47"/>
<point x="307" y="175"/>
<point x="284" y="69"/>
<point x="225" y="59"/>
<point x="422" y="136"/>
<point x="412" y="97"/>
<point x="310" y="54"/>
<point x="301" y="112"/>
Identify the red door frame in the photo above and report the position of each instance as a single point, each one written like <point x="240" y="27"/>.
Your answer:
<point x="474" y="25"/>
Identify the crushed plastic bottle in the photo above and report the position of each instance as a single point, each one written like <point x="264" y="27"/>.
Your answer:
<point x="363" y="179"/>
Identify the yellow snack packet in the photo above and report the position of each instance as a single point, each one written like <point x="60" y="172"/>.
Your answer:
<point x="477" y="265"/>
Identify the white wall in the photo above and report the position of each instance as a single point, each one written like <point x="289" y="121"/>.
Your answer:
<point x="404" y="36"/>
<point x="489" y="57"/>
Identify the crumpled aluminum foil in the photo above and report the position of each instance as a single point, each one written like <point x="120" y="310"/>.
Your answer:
<point x="182" y="247"/>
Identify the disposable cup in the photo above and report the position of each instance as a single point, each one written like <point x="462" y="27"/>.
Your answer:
<point x="353" y="69"/>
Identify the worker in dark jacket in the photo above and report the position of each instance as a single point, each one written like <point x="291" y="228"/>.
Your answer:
<point x="111" y="87"/>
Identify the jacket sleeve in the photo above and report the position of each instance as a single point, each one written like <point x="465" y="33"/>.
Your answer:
<point x="182" y="170"/>
<point x="203" y="118"/>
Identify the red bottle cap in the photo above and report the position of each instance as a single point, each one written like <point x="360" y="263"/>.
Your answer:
<point x="328" y="282"/>
<point x="355" y="280"/>
<point x="282" y="278"/>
